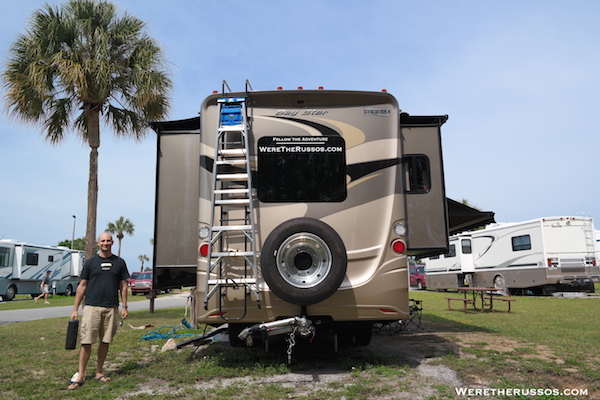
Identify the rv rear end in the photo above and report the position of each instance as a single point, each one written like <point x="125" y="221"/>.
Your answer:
<point x="333" y="195"/>
<point x="569" y="252"/>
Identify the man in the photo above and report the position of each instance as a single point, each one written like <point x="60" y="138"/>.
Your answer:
<point x="45" y="288"/>
<point x="102" y="278"/>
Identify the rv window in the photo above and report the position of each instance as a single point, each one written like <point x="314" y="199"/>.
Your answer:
<point x="4" y="257"/>
<point x="31" y="259"/>
<point x="466" y="246"/>
<point x="416" y="173"/>
<point x="451" y="252"/>
<point x="521" y="243"/>
<point x="301" y="168"/>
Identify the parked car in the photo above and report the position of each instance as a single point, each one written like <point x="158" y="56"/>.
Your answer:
<point x="417" y="276"/>
<point x="142" y="283"/>
<point x="132" y="278"/>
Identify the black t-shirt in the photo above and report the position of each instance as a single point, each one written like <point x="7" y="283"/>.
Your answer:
<point x="103" y="276"/>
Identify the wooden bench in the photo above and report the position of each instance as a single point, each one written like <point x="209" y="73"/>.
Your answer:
<point x="465" y="301"/>
<point x="507" y="299"/>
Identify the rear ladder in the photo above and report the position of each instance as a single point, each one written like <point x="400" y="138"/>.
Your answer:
<point x="232" y="213"/>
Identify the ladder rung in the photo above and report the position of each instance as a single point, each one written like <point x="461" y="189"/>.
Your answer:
<point x="232" y="177"/>
<point x="232" y="282"/>
<point x="233" y="202"/>
<point x="232" y="254"/>
<point x="231" y="100"/>
<point x="232" y="191"/>
<point x="233" y="152"/>
<point x="232" y="128"/>
<point x="232" y="228"/>
<point x="232" y="162"/>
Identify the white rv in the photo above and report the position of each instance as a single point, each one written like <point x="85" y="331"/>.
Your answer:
<point x="540" y="256"/>
<point x="23" y="266"/>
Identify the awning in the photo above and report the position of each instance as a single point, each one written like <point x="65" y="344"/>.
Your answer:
<point x="464" y="218"/>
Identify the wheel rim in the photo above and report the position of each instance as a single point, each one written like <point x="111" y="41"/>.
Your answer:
<point x="304" y="260"/>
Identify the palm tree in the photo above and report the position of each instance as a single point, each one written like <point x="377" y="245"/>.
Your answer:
<point x="121" y="227"/>
<point x="82" y="65"/>
<point x="142" y="258"/>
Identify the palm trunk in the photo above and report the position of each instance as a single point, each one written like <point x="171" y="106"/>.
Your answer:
<point x="93" y="119"/>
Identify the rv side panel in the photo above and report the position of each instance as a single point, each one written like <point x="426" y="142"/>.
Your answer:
<point x="426" y="214"/>
<point x="176" y="207"/>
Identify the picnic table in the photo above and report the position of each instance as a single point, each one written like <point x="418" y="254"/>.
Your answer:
<point x="485" y="294"/>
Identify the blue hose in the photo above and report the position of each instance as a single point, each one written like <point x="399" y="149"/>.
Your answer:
<point x="156" y="335"/>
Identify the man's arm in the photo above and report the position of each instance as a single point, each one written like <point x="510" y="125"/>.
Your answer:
<point x="124" y="288"/>
<point x="79" y="297"/>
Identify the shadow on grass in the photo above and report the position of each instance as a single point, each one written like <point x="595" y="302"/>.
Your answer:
<point x="396" y="350"/>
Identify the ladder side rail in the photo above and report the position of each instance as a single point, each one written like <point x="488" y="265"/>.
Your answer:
<point x="209" y="267"/>
<point x="246" y="139"/>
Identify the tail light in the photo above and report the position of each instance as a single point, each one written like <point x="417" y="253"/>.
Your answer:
<point x="203" y="250"/>
<point x="398" y="246"/>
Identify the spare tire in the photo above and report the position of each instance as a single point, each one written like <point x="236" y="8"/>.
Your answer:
<point x="303" y="261"/>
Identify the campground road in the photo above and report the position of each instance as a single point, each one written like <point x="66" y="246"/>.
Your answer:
<point x="162" y="301"/>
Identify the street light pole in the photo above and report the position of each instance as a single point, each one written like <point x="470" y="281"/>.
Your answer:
<point x="73" y="236"/>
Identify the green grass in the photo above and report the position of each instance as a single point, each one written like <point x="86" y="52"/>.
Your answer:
<point x="568" y="325"/>
<point x="35" y="364"/>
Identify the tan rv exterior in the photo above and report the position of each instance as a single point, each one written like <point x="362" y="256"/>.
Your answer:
<point x="392" y="194"/>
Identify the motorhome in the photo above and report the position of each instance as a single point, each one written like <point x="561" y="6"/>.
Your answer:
<point x="539" y="256"/>
<point x="23" y="266"/>
<point x="301" y="207"/>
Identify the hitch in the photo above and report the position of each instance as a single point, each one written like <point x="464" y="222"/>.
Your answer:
<point x="289" y="326"/>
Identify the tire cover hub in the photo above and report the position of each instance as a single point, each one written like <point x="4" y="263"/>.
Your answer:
<point x="304" y="260"/>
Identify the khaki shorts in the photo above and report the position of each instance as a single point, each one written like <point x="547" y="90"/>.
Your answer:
<point x="98" y="323"/>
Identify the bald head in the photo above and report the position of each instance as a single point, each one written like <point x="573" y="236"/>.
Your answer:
<point x="105" y="236"/>
<point x="105" y="242"/>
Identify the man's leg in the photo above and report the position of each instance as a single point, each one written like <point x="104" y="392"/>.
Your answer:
<point x="84" y="355"/>
<point x="102" y="352"/>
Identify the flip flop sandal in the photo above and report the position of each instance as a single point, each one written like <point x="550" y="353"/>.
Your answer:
<point x="103" y="378"/>
<point x="76" y="383"/>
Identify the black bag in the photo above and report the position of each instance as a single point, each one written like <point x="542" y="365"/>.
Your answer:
<point x="72" y="331"/>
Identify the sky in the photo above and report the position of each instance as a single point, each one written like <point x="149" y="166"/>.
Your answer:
<point x="519" y="80"/>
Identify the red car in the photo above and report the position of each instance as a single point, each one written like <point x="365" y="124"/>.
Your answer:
<point x="132" y="278"/>
<point x="417" y="276"/>
<point x="141" y="284"/>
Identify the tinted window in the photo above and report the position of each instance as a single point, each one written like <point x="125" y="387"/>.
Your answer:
<point x="4" y="256"/>
<point x="451" y="251"/>
<point x="301" y="168"/>
<point x="521" y="243"/>
<point x="466" y="246"/>
<point x="417" y="174"/>
<point x="31" y="259"/>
